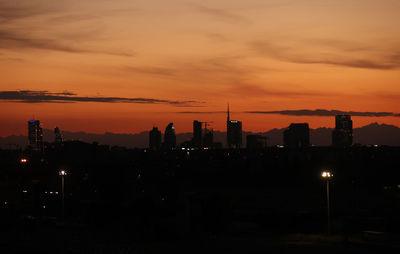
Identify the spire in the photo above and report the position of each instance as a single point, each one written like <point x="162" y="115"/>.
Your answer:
<point x="228" y="113"/>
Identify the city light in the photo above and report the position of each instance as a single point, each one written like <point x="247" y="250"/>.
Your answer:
<point x="326" y="174"/>
<point x="23" y="160"/>
<point x="63" y="173"/>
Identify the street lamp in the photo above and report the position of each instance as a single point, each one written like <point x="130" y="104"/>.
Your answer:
<point x="62" y="173"/>
<point x="327" y="175"/>
<point x="23" y="160"/>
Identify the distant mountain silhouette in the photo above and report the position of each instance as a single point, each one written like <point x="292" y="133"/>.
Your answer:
<point x="374" y="133"/>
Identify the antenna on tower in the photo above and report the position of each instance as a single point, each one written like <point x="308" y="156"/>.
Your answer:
<point x="228" y="113"/>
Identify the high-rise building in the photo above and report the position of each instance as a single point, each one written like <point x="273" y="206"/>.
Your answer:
<point x="170" y="137"/>
<point x="233" y="132"/>
<point x="35" y="135"/>
<point x="58" y="138"/>
<point x="197" y="134"/>
<point x="297" y="135"/>
<point x="256" y="141"/>
<point x="342" y="135"/>
<point x="155" y="139"/>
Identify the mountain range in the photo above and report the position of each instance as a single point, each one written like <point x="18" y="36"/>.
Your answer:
<point x="374" y="133"/>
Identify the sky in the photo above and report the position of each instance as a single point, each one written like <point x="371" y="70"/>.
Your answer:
<point x="124" y="66"/>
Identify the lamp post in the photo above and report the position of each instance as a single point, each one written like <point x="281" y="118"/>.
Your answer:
<point x="62" y="173"/>
<point x="327" y="175"/>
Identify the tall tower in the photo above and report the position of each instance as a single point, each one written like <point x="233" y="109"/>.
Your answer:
<point x="170" y="137"/>
<point x="155" y="139"/>
<point x="297" y="135"/>
<point x="227" y="114"/>
<point x="58" y="138"/>
<point x="35" y="135"/>
<point x="233" y="132"/>
<point x="197" y="134"/>
<point x="342" y="135"/>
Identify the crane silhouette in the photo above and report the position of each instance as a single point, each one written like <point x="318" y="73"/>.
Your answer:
<point x="206" y="124"/>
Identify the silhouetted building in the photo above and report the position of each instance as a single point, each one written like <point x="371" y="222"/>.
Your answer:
<point x="342" y="135"/>
<point x="197" y="134"/>
<point x="155" y="139"/>
<point x="58" y="138"/>
<point x="297" y="136"/>
<point x="233" y="132"/>
<point x="256" y="142"/>
<point x="208" y="139"/>
<point x="35" y="135"/>
<point x="170" y="137"/>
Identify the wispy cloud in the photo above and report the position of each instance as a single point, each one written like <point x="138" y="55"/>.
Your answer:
<point x="150" y="70"/>
<point x="254" y="90"/>
<point x="29" y="96"/>
<point x="11" y="10"/>
<point x="221" y="14"/>
<point x="17" y="33"/>
<point x="11" y="40"/>
<point x="330" y="52"/>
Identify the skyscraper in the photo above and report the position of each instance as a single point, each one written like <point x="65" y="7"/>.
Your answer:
<point x="58" y="138"/>
<point x="233" y="132"/>
<point x="155" y="139"/>
<point x="197" y="134"/>
<point x="297" y="136"/>
<point x="170" y="137"/>
<point x="342" y="135"/>
<point x="35" y="135"/>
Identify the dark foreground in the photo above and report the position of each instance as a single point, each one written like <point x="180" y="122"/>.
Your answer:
<point x="57" y="237"/>
<point x="217" y="201"/>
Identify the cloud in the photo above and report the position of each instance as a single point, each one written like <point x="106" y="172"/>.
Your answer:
<point x="10" y="10"/>
<point x="159" y="71"/>
<point x="15" y="41"/>
<point x="330" y="52"/>
<point x="246" y="89"/>
<point x="29" y="96"/>
<point x="221" y="14"/>
<point x="17" y="32"/>
<point x="324" y="112"/>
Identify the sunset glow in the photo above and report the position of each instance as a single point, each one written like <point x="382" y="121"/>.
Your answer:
<point x="125" y="66"/>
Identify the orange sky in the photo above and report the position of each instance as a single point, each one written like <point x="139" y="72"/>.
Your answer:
<point x="197" y="55"/>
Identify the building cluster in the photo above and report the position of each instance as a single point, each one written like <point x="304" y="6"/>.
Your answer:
<point x="203" y="138"/>
<point x="297" y="135"/>
<point x="35" y="135"/>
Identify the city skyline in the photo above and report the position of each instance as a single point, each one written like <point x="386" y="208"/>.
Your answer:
<point x="188" y="126"/>
<point x="133" y="65"/>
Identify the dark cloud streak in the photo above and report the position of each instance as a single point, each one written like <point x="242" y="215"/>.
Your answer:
<point x="11" y="40"/>
<point x="28" y="96"/>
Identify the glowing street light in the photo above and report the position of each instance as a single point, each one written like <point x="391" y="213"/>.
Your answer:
<point x="327" y="175"/>
<point x="23" y="160"/>
<point x="63" y="173"/>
